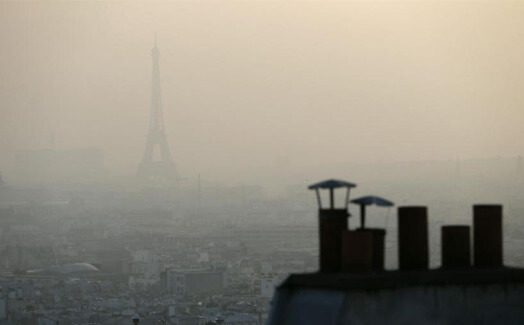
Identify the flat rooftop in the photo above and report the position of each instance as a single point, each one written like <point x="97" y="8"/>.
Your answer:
<point x="399" y="279"/>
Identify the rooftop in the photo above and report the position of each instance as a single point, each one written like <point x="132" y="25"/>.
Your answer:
<point x="395" y="279"/>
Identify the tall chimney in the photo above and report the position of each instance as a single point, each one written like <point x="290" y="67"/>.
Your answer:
<point x="456" y="252"/>
<point x="487" y="235"/>
<point x="332" y="223"/>
<point x="413" y="238"/>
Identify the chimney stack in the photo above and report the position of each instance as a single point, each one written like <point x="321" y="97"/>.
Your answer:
<point x="363" y="250"/>
<point x="456" y="252"/>
<point x="332" y="222"/>
<point x="376" y="246"/>
<point x="357" y="251"/>
<point x="487" y="235"/>
<point x="413" y="238"/>
<point x="378" y="236"/>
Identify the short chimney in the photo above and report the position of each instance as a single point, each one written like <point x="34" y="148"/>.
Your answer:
<point x="332" y="223"/>
<point x="357" y="251"/>
<point x="377" y="235"/>
<point x="456" y="252"/>
<point x="487" y="235"/>
<point x="413" y="238"/>
<point x="363" y="250"/>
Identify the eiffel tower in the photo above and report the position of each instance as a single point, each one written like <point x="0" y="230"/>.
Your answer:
<point x="152" y="168"/>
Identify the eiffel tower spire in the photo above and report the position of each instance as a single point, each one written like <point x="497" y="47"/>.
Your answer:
<point x="162" y="168"/>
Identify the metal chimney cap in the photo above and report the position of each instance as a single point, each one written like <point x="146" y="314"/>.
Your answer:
<point x="331" y="184"/>
<point x="372" y="199"/>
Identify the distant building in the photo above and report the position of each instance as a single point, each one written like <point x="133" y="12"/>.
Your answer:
<point x="242" y="319"/>
<point x="268" y="283"/>
<point x="146" y="263"/>
<point x="187" y="320"/>
<point x="76" y="269"/>
<point x="194" y="281"/>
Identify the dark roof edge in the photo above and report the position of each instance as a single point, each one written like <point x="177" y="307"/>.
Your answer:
<point x="401" y="279"/>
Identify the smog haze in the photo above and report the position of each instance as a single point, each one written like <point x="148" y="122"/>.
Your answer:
<point x="261" y="88"/>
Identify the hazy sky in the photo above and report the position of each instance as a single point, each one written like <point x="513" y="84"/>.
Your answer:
<point x="251" y="86"/>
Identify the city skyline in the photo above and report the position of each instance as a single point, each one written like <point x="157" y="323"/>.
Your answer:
<point x="353" y="82"/>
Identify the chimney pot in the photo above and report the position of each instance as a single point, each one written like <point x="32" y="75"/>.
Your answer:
<point x="413" y="238"/>
<point x="487" y="235"/>
<point x="363" y="250"/>
<point x="456" y="251"/>
<point x="332" y="223"/>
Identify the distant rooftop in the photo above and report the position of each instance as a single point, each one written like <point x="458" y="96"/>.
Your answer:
<point x="67" y="269"/>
